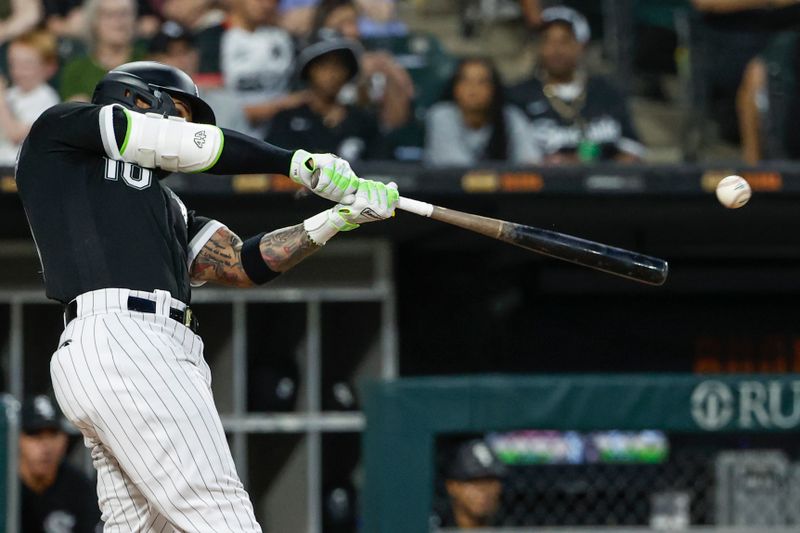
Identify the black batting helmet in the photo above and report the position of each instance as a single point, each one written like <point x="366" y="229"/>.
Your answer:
<point x="150" y="81"/>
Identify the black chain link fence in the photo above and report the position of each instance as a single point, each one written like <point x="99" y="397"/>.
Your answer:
<point x="669" y="482"/>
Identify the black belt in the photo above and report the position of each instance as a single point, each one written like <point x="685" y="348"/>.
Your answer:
<point x="142" y="305"/>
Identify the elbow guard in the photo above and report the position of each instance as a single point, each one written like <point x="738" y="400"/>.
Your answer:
<point x="171" y="143"/>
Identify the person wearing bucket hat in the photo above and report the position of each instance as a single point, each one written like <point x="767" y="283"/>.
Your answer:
<point x="324" y="124"/>
<point x="574" y="117"/>
<point x="473" y="481"/>
<point x="54" y="495"/>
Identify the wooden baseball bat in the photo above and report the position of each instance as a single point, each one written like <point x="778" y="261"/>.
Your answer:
<point x="617" y="261"/>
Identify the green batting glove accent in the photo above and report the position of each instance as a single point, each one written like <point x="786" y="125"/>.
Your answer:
<point x="339" y="180"/>
<point x="333" y="179"/>
<point x="348" y="226"/>
<point x="392" y="195"/>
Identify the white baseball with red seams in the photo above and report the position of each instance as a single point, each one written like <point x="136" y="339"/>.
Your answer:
<point x="733" y="192"/>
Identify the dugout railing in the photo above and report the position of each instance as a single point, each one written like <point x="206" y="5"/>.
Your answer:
<point x="406" y="416"/>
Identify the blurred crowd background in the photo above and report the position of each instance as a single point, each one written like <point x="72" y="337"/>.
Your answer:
<point x="445" y="83"/>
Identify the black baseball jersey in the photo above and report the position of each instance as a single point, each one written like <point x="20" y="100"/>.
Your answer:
<point x="100" y="223"/>
<point x="603" y="119"/>
<point x="68" y="506"/>
<point x="356" y="137"/>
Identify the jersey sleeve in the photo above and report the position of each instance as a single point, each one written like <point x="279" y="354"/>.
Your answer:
<point x="80" y="126"/>
<point x="200" y="229"/>
<point x="106" y="130"/>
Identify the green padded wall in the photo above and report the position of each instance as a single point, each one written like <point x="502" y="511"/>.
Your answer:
<point x="404" y="416"/>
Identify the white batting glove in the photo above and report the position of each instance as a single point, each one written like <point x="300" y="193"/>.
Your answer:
<point x="372" y="201"/>
<point x="326" y="175"/>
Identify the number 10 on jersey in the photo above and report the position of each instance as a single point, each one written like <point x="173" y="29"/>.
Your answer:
<point x="133" y="175"/>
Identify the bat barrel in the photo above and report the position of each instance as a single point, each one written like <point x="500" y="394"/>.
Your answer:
<point x="617" y="261"/>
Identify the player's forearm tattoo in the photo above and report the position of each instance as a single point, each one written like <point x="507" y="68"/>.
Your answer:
<point x="284" y="248"/>
<point x="220" y="261"/>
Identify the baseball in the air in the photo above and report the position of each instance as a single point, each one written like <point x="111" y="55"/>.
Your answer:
<point x="733" y="192"/>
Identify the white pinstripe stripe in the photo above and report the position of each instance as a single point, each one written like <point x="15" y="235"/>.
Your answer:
<point x="102" y="450"/>
<point x="241" y="496"/>
<point x="113" y="391"/>
<point x="71" y="399"/>
<point x="207" y="400"/>
<point x="143" y="372"/>
<point x="111" y="475"/>
<point x="167" y="408"/>
<point x="194" y="426"/>
<point x="111" y="439"/>
<point x="142" y="482"/>
<point x="210" y="414"/>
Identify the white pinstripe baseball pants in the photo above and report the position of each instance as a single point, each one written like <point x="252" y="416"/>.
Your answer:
<point x="138" y="388"/>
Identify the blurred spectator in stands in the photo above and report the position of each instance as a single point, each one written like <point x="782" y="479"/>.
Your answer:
<point x="746" y="30"/>
<point x="195" y="15"/>
<point x="177" y="46"/>
<point x="148" y="20"/>
<point x="174" y="45"/>
<point x="383" y="83"/>
<point x="531" y="12"/>
<point x="473" y="481"/>
<point x="204" y="20"/>
<point x="32" y="60"/>
<point x="257" y="61"/>
<point x="111" y="28"/>
<point x="574" y="117"/>
<point x="18" y="17"/>
<point x="297" y="16"/>
<point x="473" y="122"/>
<point x="67" y="18"/>
<point x="55" y="496"/>
<point x="324" y="124"/>
<point x="595" y="12"/>
<point x="376" y="18"/>
<point x="790" y="135"/>
<point x="656" y="53"/>
<point x="379" y="19"/>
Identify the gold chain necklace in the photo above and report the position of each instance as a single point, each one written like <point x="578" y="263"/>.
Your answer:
<point x="569" y="111"/>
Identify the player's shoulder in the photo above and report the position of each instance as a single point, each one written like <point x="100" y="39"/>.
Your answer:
<point x="63" y="111"/>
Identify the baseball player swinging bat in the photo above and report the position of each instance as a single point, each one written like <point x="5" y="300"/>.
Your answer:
<point x="617" y="261"/>
<point x="121" y="251"/>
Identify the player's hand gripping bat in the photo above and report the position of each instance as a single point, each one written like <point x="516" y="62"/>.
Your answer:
<point x="617" y="261"/>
